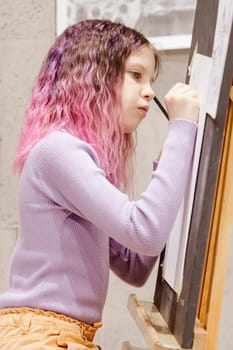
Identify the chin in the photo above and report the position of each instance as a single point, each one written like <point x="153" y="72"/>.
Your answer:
<point x="131" y="128"/>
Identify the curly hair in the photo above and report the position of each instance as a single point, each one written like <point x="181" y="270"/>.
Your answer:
<point x="78" y="89"/>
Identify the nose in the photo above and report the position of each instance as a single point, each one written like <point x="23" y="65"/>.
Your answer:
<point x="148" y="93"/>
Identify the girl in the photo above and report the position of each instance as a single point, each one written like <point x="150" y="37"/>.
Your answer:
<point x="75" y="160"/>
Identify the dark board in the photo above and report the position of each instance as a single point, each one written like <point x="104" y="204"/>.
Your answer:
<point x="180" y="311"/>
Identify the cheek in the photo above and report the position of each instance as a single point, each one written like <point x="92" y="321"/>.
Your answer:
<point x="128" y="120"/>
<point x="125" y="106"/>
<point x="131" y="121"/>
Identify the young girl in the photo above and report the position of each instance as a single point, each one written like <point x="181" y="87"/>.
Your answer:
<point x="75" y="160"/>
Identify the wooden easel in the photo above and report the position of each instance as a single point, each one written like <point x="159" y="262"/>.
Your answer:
<point x="155" y="330"/>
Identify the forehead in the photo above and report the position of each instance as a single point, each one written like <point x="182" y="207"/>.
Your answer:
<point x="144" y="56"/>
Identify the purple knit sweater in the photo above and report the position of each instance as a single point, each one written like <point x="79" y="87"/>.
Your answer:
<point x="75" y="225"/>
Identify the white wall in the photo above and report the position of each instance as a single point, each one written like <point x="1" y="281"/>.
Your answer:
<point x="27" y="29"/>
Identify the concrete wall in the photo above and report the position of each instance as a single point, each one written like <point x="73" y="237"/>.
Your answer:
<point x="27" y="30"/>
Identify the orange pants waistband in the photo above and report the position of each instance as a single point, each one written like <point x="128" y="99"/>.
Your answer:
<point x="29" y="318"/>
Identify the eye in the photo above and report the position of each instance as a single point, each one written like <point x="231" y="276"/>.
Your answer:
<point x="136" y="75"/>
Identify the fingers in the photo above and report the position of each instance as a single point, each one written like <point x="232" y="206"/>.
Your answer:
<point x="182" y="102"/>
<point x="180" y="89"/>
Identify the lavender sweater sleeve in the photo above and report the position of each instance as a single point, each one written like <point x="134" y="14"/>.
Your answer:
<point x="80" y="186"/>
<point x="132" y="267"/>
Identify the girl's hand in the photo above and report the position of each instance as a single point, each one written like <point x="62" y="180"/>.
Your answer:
<point x="182" y="102"/>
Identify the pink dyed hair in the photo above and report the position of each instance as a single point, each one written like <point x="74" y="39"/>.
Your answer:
<point x="78" y="90"/>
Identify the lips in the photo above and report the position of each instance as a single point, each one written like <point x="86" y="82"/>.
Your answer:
<point x="143" y="109"/>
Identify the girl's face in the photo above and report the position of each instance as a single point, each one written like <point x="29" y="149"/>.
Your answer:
<point x="137" y="89"/>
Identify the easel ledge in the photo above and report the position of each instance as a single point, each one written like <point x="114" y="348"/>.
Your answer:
<point x="155" y="330"/>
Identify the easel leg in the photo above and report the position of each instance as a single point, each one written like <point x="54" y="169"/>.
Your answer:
<point x="155" y="330"/>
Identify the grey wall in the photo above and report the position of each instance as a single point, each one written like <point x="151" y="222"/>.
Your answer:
<point x="27" y="30"/>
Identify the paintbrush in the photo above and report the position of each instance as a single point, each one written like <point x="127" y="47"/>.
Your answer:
<point x="159" y="104"/>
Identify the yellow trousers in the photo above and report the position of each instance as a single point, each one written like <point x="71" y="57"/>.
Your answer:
<point x="33" y="329"/>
